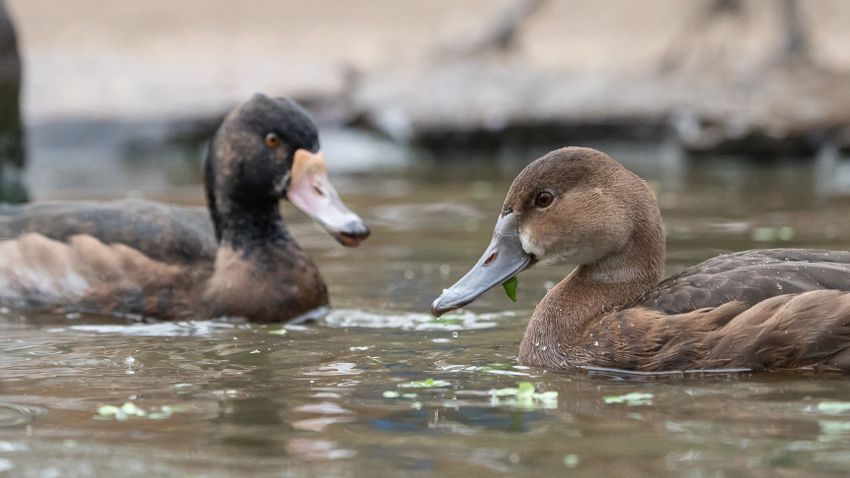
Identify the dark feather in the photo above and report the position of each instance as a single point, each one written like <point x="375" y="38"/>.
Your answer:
<point x="160" y="231"/>
<point x="749" y="277"/>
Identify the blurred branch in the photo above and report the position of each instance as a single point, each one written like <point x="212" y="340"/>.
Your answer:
<point x="795" y="47"/>
<point x="708" y="37"/>
<point x="502" y="32"/>
<point x="696" y="31"/>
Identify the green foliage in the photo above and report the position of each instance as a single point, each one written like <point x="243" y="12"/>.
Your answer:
<point x="510" y="288"/>
<point x="631" y="399"/>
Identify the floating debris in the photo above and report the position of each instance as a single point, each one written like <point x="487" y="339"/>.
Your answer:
<point x="572" y="460"/>
<point x="130" y="410"/>
<point x="121" y="413"/>
<point x="631" y="399"/>
<point x="524" y="395"/>
<point x="394" y="394"/>
<point x="833" y="407"/>
<point x="427" y="383"/>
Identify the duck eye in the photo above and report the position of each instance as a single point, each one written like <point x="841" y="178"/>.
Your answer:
<point x="544" y="200"/>
<point x="272" y="140"/>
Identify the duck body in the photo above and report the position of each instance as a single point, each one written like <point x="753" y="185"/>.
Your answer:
<point x="756" y="310"/>
<point x="149" y="259"/>
<point x="770" y="309"/>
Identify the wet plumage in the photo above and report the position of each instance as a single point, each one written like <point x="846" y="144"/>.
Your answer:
<point x="749" y="277"/>
<point x="769" y="309"/>
<point x="148" y="259"/>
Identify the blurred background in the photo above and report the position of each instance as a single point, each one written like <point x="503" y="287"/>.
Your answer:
<point x="737" y="113"/>
<point x="119" y="96"/>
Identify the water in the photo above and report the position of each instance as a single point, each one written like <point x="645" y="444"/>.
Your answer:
<point x="379" y="388"/>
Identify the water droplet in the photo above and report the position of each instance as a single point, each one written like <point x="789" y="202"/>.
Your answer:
<point x="544" y="348"/>
<point x="596" y="343"/>
<point x="455" y="334"/>
<point x="130" y="360"/>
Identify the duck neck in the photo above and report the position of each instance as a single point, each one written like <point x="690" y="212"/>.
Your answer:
<point x="259" y="272"/>
<point x="241" y="224"/>
<point x="241" y="228"/>
<point x="556" y="334"/>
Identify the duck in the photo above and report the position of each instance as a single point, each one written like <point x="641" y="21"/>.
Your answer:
<point x="756" y="310"/>
<point x="152" y="260"/>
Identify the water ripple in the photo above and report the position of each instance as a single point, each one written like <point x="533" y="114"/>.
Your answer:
<point x="160" y="329"/>
<point x="12" y="414"/>
<point x="413" y="321"/>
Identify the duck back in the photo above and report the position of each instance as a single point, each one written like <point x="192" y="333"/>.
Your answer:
<point x="128" y="257"/>
<point x="160" y="231"/>
<point x="749" y="277"/>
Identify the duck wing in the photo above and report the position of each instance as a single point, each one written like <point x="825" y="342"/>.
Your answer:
<point x="783" y="332"/>
<point x="749" y="277"/>
<point x="159" y="231"/>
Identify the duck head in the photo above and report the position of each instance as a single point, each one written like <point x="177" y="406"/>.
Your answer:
<point x="268" y="149"/>
<point x="572" y="206"/>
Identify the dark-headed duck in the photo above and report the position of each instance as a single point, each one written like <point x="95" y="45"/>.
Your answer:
<point x="757" y="310"/>
<point x="149" y="259"/>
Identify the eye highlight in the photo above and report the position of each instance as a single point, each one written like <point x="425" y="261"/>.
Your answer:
<point x="272" y="140"/>
<point x="543" y="200"/>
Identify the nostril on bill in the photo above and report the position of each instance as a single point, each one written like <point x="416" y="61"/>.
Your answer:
<point x="490" y="258"/>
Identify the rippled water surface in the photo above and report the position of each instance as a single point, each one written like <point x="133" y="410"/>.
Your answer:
<point x="380" y="388"/>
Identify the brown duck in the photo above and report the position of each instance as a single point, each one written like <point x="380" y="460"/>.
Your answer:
<point x="142" y="258"/>
<point x="758" y="310"/>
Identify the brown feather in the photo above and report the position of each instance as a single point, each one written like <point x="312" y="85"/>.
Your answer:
<point x="759" y="310"/>
<point x="149" y="259"/>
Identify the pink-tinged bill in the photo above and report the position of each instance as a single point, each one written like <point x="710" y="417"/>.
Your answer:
<point x="311" y="191"/>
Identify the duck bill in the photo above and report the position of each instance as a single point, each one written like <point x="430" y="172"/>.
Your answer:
<point x="504" y="258"/>
<point x="311" y="191"/>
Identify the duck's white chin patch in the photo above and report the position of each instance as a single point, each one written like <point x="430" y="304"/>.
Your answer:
<point x="531" y="248"/>
<point x="544" y="258"/>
